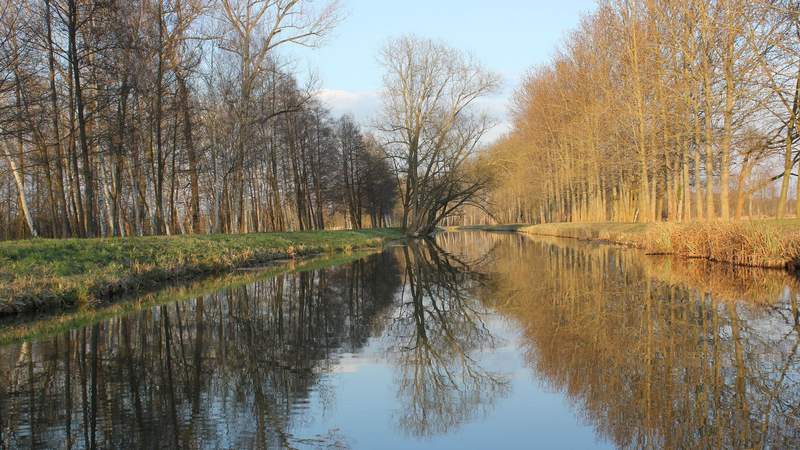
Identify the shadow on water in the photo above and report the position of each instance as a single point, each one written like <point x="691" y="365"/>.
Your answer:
<point x="646" y="351"/>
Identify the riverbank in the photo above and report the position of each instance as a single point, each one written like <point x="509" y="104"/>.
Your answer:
<point x="20" y="327"/>
<point x="771" y="244"/>
<point x="49" y="274"/>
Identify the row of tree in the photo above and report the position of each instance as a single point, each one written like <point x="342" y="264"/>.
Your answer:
<point x="658" y="110"/>
<point x="141" y="117"/>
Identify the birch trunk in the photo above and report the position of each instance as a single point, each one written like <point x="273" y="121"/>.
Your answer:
<point x="23" y="202"/>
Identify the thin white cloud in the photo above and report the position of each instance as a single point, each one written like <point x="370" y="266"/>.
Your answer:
<point x="497" y="107"/>
<point x="363" y="105"/>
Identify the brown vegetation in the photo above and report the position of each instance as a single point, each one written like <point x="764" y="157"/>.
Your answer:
<point x="740" y="243"/>
<point x="657" y="110"/>
<point x="763" y="244"/>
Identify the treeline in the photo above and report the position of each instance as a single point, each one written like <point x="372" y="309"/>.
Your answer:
<point x="174" y="116"/>
<point x="658" y="110"/>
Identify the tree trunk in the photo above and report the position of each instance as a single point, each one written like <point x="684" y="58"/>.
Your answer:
<point x="160" y="160"/>
<point x="788" y="162"/>
<point x="89" y="210"/>
<point x="55" y="113"/>
<point x="742" y="193"/>
<point x="191" y="153"/>
<point x="23" y="202"/>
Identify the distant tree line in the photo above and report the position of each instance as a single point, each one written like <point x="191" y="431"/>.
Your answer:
<point x="138" y="117"/>
<point x="658" y="110"/>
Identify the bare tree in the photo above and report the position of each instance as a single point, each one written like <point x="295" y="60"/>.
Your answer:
<point x="649" y="110"/>
<point x="11" y="53"/>
<point x="432" y="128"/>
<point x="171" y="116"/>
<point x="257" y="28"/>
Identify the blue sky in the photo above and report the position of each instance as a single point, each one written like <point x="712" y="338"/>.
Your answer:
<point x="508" y="36"/>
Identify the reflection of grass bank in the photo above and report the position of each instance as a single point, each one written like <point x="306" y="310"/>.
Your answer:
<point x="768" y="243"/>
<point x="41" y="275"/>
<point x="722" y="281"/>
<point x="506" y="227"/>
<point x="39" y="328"/>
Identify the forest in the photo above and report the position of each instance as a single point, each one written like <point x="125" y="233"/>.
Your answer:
<point x="166" y="117"/>
<point x="658" y="110"/>
<point x="123" y="118"/>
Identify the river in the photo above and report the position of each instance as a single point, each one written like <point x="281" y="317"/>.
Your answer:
<point x="477" y="340"/>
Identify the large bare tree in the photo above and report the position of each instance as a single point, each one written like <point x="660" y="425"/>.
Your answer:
<point x="433" y="127"/>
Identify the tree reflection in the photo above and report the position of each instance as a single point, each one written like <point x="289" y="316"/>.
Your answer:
<point x="435" y="332"/>
<point x="651" y="352"/>
<point x="649" y="361"/>
<point x="231" y="369"/>
<point x="235" y="368"/>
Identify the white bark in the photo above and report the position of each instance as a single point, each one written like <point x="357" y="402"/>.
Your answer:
<point x="23" y="202"/>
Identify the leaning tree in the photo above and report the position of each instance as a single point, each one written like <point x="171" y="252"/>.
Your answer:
<point x="433" y="128"/>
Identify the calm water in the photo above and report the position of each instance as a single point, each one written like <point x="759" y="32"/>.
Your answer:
<point x="475" y="341"/>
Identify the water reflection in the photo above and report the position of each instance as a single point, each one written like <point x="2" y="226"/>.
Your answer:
<point x="653" y="363"/>
<point x="647" y="352"/>
<point x="435" y="331"/>
<point x="233" y="369"/>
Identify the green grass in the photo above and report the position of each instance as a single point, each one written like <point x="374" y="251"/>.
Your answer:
<point x="47" y="274"/>
<point x="16" y="330"/>
<point x="758" y="243"/>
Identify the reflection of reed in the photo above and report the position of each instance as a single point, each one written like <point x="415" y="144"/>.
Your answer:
<point x="650" y="362"/>
<point x="723" y="281"/>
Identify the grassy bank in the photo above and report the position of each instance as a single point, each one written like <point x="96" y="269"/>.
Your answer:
<point x="43" y="275"/>
<point x="18" y="328"/>
<point x="762" y="243"/>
